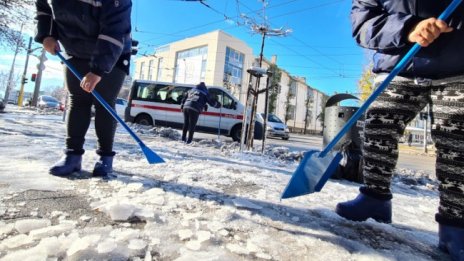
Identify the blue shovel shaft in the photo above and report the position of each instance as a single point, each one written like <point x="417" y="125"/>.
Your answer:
<point x="101" y="100"/>
<point x="151" y="156"/>
<point x="398" y="68"/>
<point x="316" y="168"/>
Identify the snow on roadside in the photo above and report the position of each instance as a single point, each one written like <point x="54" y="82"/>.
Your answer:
<point x="207" y="202"/>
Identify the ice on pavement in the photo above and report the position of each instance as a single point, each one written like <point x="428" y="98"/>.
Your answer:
<point x="207" y="202"/>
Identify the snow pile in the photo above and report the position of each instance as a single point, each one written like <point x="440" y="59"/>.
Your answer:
<point x="207" y="202"/>
<point x="415" y="178"/>
<point x="283" y="153"/>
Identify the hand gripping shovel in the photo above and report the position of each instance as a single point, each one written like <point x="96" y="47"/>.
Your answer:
<point x="151" y="156"/>
<point x="316" y="167"/>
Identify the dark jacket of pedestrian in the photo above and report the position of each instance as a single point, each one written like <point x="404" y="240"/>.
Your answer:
<point x="383" y="26"/>
<point x="96" y="35"/>
<point x="99" y="31"/>
<point x="197" y="98"/>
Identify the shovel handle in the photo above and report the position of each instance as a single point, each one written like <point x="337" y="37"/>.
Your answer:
<point x="398" y="68"/>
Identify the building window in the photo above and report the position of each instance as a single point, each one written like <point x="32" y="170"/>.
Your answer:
<point x="291" y="112"/>
<point x="160" y="69"/>
<point x="233" y="66"/>
<point x="150" y="70"/>
<point x="141" y="76"/>
<point x="293" y="89"/>
<point x="191" y="65"/>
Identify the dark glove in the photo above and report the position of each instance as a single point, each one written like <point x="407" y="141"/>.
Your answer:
<point x="182" y="108"/>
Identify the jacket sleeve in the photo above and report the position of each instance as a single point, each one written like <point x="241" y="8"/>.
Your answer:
<point x="184" y="98"/>
<point x="212" y="102"/>
<point x="45" y="23"/>
<point x="115" y="28"/>
<point x="374" y="28"/>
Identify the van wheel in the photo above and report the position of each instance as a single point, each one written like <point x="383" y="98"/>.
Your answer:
<point x="236" y="133"/>
<point x="144" y="119"/>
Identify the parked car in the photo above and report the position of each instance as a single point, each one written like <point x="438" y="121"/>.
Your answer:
<point x="158" y="103"/>
<point x="275" y="126"/>
<point x="49" y="102"/>
<point x="2" y="105"/>
<point x="120" y="107"/>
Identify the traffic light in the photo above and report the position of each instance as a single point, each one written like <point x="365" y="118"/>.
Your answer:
<point x="24" y="80"/>
<point x="33" y="76"/>
<point x="134" y="48"/>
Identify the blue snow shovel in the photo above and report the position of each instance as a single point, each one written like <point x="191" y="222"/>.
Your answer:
<point x="151" y="156"/>
<point x="316" y="167"/>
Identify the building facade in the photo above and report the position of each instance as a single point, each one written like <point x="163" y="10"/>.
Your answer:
<point x="219" y="59"/>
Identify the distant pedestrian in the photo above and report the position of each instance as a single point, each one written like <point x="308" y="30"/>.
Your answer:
<point x="97" y="36"/>
<point x="409" y="139"/>
<point x="436" y="76"/>
<point x="192" y="105"/>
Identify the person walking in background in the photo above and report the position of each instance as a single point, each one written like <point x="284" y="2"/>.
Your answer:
<point x="97" y="37"/>
<point x="409" y="139"/>
<point x="436" y="76"/>
<point x="192" y="105"/>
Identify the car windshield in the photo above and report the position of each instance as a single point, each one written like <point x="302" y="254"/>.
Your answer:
<point x="49" y="99"/>
<point x="273" y="118"/>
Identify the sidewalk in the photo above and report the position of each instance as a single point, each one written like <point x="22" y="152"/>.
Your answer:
<point x="416" y="148"/>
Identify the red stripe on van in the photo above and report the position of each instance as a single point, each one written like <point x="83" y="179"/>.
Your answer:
<point x="214" y="114"/>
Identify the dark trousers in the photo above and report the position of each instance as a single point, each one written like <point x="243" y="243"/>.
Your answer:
<point x="80" y="103"/>
<point x="385" y="123"/>
<point x="190" y="122"/>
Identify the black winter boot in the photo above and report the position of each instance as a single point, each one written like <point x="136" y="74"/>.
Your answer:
<point x="67" y="165"/>
<point x="103" y="167"/>
<point x="363" y="207"/>
<point x="452" y="241"/>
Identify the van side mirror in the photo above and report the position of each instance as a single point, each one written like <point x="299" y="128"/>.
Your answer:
<point x="234" y="105"/>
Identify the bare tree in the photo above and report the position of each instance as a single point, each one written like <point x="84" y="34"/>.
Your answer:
<point x="59" y="93"/>
<point x="14" y="12"/>
<point x="3" y="81"/>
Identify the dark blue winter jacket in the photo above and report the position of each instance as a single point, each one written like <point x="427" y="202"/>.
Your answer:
<point x="97" y="30"/>
<point x="197" y="98"/>
<point x="384" y="25"/>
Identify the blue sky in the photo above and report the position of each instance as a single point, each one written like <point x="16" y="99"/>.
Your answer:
<point x="320" y="47"/>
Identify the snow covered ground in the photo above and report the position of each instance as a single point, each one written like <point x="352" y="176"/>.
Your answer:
<point x="207" y="202"/>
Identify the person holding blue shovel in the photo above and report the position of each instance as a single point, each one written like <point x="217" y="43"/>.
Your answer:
<point x="97" y="37"/>
<point x="436" y="77"/>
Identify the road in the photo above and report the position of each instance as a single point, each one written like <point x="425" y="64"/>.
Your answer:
<point x="408" y="159"/>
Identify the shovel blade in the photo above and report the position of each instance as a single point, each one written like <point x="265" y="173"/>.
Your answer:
<point x="151" y="156"/>
<point x="312" y="173"/>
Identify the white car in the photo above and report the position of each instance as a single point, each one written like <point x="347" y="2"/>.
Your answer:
<point x="158" y="103"/>
<point x="275" y="126"/>
<point x="120" y="107"/>
<point x="45" y="101"/>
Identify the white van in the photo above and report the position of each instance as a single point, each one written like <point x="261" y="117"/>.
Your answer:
<point x="158" y="103"/>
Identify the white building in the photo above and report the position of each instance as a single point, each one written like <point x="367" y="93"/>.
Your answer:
<point x="219" y="59"/>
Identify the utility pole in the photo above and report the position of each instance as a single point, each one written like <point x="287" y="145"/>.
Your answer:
<point x="10" y="76"/>
<point x="315" y="114"/>
<point x="24" y="78"/>
<point x="265" y="31"/>
<point x="40" y="68"/>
